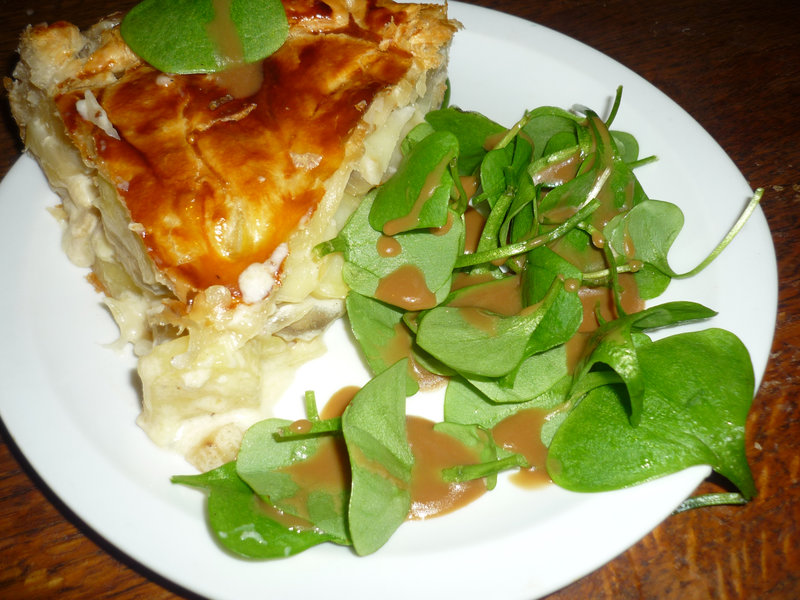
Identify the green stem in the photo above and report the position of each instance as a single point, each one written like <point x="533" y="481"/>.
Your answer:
<point x="512" y="133"/>
<point x="310" y="401"/>
<point x="751" y="206"/>
<point x="318" y="427"/>
<point x="710" y="500"/>
<point x="463" y="201"/>
<point x="468" y="260"/>
<point x="601" y="277"/>
<point x="469" y="472"/>
<point x="643" y="161"/>
<point x="613" y="280"/>
<point x="489" y="235"/>
<point x="615" y="107"/>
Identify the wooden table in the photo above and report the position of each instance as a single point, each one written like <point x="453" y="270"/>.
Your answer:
<point x="735" y="67"/>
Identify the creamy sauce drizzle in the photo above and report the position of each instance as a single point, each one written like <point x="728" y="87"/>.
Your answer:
<point x="326" y="470"/>
<point x="287" y="520"/>
<point x="470" y="185"/>
<point x="560" y="172"/>
<point x="492" y="140"/>
<point x="501" y="296"/>
<point x="602" y="299"/>
<point x="400" y="347"/>
<point x="444" y="229"/>
<point x="480" y="319"/>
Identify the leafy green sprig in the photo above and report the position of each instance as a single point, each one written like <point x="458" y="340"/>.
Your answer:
<point x="174" y="35"/>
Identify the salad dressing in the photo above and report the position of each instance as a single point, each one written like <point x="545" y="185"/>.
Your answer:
<point x="473" y="226"/>
<point x="470" y="185"/>
<point x="327" y="470"/>
<point x="388" y="246"/>
<point x="520" y="433"/>
<point x="491" y="141"/>
<point x="410" y="221"/>
<point x="336" y="404"/>
<point x="602" y="299"/>
<point x="480" y="319"/>
<point x="239" y="78"/>
<point x="559" y="172"/>
<point x="281" y="517"/>
<point x="501" y="296"/>
<point x="405" y="287"/>
<point x="399" y="347"/>
<point x="444" y="229"/>
<point x="433" y="451"/>
<point x="462" y="280"/>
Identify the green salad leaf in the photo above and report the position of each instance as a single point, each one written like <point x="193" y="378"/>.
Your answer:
<point x="246" y="524"/>
<point x="373" y="426"/>
<point x="698" y="388"/>
<point x="174" y="35"/>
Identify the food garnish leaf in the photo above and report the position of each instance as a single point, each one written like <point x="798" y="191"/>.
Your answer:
<point x="366" y="267"/>
<point x="174" y="35"/>
<point x="478" y="342"/>
<point x="464" y="403"/>
<point x="246" y="524"/>
<point x="374" y="428"/>
<point x="698" y="390"/>
<point x="472" y="130"/>
<point x="381" y="333"/>
<point x="418" y="194"/>
<point x="283" y="471"/>
<point x="612" y="344"/>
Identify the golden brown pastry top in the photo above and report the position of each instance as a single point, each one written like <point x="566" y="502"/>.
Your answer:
<point x="215" y="183"/>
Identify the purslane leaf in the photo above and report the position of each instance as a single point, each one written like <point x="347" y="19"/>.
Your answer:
<point x="280" y="470"/>
<point x="173" y="35"/>
<point x="692" y="415"/>
<point x="247" y="525"/>
<point x="433" y="256"/>
<point x="381" y="333"/>
<point x="374" y="430"/>
<point x="418" y="194"/>
<point x="613" y="344"/>
<point x="472" y="130"/>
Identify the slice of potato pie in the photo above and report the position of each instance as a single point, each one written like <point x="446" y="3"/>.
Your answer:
<point x="197" y="209"/>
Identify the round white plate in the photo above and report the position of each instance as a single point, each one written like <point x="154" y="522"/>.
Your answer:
<point x="70" y="402"/>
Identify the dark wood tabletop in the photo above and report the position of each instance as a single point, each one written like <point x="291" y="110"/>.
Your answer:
<point x="735" y="67"/>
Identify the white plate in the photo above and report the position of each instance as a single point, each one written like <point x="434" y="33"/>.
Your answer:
<point x="70" y="402"/>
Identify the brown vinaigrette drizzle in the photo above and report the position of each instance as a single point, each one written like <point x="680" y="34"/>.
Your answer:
<point x="340" y="400"/>
<point x="406" y="288"/>
<point x="411" y="220"/>
<point x="241" y="79"/>
<point x="388" y="246"/>
<point x="434" y="451"/>
<point x="520" y="433"/>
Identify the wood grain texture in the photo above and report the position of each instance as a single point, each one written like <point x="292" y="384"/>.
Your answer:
<point x="735" y="67"/>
